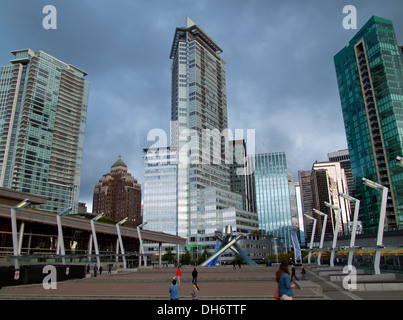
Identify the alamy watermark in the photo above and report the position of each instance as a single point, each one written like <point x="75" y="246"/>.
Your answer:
<point x="208" y="146"/>
<point x="350" y="280"/>
<point x="350" y="21"/>
<point x="50" y="20"/>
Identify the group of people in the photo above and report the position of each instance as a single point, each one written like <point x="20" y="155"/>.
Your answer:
<point x="174" y="289"/>
<point x="284" y="281"/>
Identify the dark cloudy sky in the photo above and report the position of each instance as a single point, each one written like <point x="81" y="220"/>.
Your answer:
<point x="279" y="68"/>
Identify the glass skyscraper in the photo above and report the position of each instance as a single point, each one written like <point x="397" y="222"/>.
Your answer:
<point x="43" y="108"/>
<point x="370" y="80"/>
<point x="199" y="141"/>
<point x="273" y="196"/>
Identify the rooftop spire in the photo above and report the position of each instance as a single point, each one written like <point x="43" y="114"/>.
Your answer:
<point x="189" y="22"/>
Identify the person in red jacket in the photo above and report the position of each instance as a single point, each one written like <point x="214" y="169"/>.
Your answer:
<point x="178" y="275"/>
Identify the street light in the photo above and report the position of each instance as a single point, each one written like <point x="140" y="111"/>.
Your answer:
<point x="382" y="214"/>
<point x="399" y="161"/>
<point x="122" y="250"/>
<point x="355" y="221"/>
<point x="16" y="243"/>
<point x="94" y="237"/>
<point x="323" y="232"/>
<point x="141" y="244"/>
<point x="60" y="240"/>
<point x="312" y="236"/>
<point x="335" y="230"/>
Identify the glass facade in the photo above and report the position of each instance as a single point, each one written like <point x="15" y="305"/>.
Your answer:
<point x="370" y="80"/>
<point x="160" y="191"/>
<point x="43" y="108"/>
<point x="272" y="195"/>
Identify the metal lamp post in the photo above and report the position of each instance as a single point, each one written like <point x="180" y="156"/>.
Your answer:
<point x="323" y="233"/>
<point x="141" y="244"/>
<point x="355" y="221"/>
<point x="122" y="250"/>
<point x="382" y="214"/>
<point x="312" y="236"/>
<point x="94" y="237"/>
<point x="335" y="231"/>
<point x="16" y="243"/>
<point x="60" y="240"/>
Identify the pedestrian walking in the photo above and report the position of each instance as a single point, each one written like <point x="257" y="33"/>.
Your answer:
<point x="100" y="270"/>
<point x="174" y="291"/>
<point x="284" y="284"/>
<point x="303" y="272"/>
<point x="293" y="275"/>
<point x="95" y="270"/>
<point x="88" y="268"/>
<point x="178" y="275"/>
<point x="194" y="276"/>
<point x="195" y="292"/>
<point x="233" y="264"/>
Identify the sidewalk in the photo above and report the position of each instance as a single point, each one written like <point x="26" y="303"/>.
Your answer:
<point x="215" y="283"/>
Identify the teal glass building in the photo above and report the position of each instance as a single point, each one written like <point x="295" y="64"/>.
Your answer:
<point x="273" y="195"/>
<point x="370" y="80"/>
<point x="43" y="108"/>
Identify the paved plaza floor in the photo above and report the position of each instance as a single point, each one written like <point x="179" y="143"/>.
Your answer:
<point x="215" y="283"/>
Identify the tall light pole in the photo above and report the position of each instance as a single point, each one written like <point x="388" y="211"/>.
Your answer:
<point x="60" y="240"/>
<point x="399" y="161"/>
<point x="16" y="243"/>
<point x="323" y="232"/>
<point x="122" y="250"/>
<point x="312" y="236"/>
<point x="141" y="244"/>
<point x="94" y="237"/>
<point x="335" y="230"/>
<point x="354" y="230"/>
<point x="382" y="214"/>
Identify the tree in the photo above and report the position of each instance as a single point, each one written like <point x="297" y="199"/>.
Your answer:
<point x="186" y="258"/>
<point x="204" y="256"/>
<point x="169" y="256"/>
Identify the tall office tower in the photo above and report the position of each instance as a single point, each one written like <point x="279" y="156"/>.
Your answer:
<point x="199" y="136"/>
<point x="370" y="80"/>
<point x="240" y="182"/>
<point x="43" y="109"/>
<point x="273" y="196"/>
<point x="118" y="195"/>
<point x="328" y="180"/>
<point x="160" y="190"/>
<point x="304" y="178"/>
<point x="343" y="157"/>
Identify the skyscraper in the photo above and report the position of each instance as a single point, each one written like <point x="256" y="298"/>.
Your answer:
<point x="118" y="195"/>
<point x="273" y="195"/>
<point x="199" y="142"/>
<point x="43" y="108"/>
<point x="370" y="80"/>
<point x="328" y="180"/>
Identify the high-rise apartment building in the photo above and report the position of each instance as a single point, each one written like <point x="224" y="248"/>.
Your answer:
<point x="118" y="195"/>
<point x="304" y="178"/>
<point x="43" y="108"/>
<point x="273" y="195"/>
<point x="370" y="80"/>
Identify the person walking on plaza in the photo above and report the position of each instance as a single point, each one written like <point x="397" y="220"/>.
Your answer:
<point x="178" y="275"/>
<point x="293" y="273"/>
<point x="194" y="276"/>
<point x="174" y="291"/>
<point x="303" y="272"/>
<point x="284" y="284"/>
<point x="195" y="292"/>
<point x="95" y="270"/>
